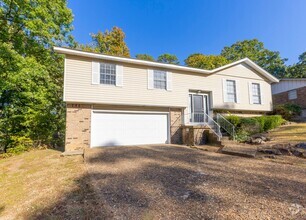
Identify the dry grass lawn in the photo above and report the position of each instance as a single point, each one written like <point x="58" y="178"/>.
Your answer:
<point x="293" y="133"/>
<point x="35" y="180"/>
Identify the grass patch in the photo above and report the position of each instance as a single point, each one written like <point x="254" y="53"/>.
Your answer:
<point x="295" y="133"/>
<point x="35" y="180"/>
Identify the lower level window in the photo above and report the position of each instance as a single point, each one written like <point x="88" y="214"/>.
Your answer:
<point x="107" y="74"/>
<point x="160" y="79"/>
<point x="256" y="93"/>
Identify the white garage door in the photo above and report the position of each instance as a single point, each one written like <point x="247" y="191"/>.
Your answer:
<point x="117" y="128"/>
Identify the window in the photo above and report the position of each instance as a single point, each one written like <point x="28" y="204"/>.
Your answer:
<point x="107" y="74"/>
<point x="256" y="93"/>
<point x="231" y="90"/>
<point x="160" y="79"/>
<point x="292" y="94"/>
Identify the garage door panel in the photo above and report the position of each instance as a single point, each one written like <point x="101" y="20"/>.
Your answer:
<point x="111" y="129"/>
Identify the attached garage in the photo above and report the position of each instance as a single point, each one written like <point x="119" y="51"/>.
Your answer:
<point x="109" y="128"/>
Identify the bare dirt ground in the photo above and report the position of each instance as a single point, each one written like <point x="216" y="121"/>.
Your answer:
<point x="175" y="182"/>
<point x="150" y="182"/>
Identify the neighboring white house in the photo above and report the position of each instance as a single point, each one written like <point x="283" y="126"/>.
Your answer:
<point x="122" y="101"/>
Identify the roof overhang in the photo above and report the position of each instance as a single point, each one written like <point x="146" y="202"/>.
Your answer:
<point x="68" y="51"/>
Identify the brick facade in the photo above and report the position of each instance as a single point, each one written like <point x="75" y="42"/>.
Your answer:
<point x="78" y="120"/>
<point x="176" y="126"/>
<point x="282" y="98"/>
<point x="77" y="126"/>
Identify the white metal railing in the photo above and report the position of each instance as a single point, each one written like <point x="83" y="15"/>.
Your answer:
<point x="226" y="125"/>
<point x="205" y="119"/>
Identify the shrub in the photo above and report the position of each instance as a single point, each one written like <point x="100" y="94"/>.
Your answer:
<point x="19" y="145"/>
<point x="261" y="122"/>
<point x="242" y="135"/>
<point x="234" y="119"/>
<point x="272" y="121"/>
<point x="287" y="111"/>
<point x="252" y="125"/>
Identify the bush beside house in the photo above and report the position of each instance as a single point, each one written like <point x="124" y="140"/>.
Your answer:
<point x="245" y="127"/>
<point x="287" y="111"/>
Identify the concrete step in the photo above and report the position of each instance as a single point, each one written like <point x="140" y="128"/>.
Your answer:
<point x="239" y="150"/>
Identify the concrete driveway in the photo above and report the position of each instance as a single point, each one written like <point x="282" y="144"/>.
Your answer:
<point x="176" y="182"/>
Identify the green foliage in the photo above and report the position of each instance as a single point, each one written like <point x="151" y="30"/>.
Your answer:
<point x="31" y="75"/>
<point x="208" y="62"/>
<point x="19" y="145"/>
<point x="246" y="126"/>
<point x="250" y="125"/>
<point x="272" y="121"/>
<point x="255" y="50"/>
<point x="287" y="111"/>
<point x="298" y="70"/>
<point x="234" y="119"/>
<point x="242" y="135"/>
<point x="144" y="57"/>
<point x="168" y="58"/>
<point x="110" y="43"/>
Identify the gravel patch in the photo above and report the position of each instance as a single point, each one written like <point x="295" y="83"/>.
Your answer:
<point x="176" y="182"/>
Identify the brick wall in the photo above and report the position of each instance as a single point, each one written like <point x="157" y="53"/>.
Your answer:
<point x="176" y="126"/>
<point x="77" y="126"/>
<point x="282" y="98"/>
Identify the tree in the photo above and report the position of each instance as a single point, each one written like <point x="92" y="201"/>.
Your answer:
<point x="209" y="62"/>
<point x="31" y="75"/>
<point x="255" y="50"/>
<point x="168" y="58"/>
<point x="110" y="43"/>
<point x="298" y="70"/>
<point x="144" y="57"/>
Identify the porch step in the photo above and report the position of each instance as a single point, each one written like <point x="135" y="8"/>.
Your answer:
<point x="239" y="150"/>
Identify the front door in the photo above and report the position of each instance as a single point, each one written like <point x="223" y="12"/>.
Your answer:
<point x="198" y="108"/>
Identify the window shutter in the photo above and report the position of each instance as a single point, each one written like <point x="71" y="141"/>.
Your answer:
<point x="237" y="91"/>
<point x="261" y="93"/>
<point x="224" y="91"/>
<point x="250" y="93"/>
<point x="119" y="75"/>
<point x="95" y="73"/>
<point x="169" y="81"/>
<point x="150" y="79"/>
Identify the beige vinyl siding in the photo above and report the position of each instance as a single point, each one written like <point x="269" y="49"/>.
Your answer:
<point x="78" y="87"/>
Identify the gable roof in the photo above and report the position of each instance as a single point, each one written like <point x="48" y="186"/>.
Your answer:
<point x="75" y="52"/>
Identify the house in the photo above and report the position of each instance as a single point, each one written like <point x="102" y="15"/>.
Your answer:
<point x="291" y="90"/>
<point x="122" y="101"/>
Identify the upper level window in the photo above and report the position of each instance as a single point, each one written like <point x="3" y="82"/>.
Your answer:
<point x="256" y="93"/>
<point x="292" y="94"/>
<point x="231" y="91"/>
<point x="160" y="79"/>
<point x="107" y="74"/>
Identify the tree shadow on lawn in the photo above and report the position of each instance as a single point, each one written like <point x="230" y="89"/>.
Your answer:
<point x="168" y="182"/>
<point x="143" y="193"/>
<point x="2" y="207"/>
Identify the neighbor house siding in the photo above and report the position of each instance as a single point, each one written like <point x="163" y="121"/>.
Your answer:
<point x="78" y="87"/>
<point x="283" y="98"/>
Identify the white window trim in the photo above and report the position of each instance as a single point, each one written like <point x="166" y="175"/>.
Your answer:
<point x="96" y="74"/>
<point x="251" y="93"/>
<point x="225" y="97"/>
<point x="150" y="78"/>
